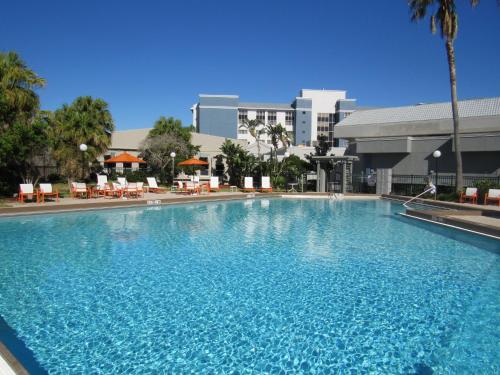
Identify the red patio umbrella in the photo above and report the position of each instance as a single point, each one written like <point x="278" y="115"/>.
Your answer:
<point x="191" y="162"/>
<point x="125" y="157"/>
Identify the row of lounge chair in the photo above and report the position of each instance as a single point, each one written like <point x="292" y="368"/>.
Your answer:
<point x="470" y="194"/>
<point x="44" y="190"/>
<point x="123" y="188"/>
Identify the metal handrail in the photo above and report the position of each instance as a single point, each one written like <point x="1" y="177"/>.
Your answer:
<point x="431" y="189"/>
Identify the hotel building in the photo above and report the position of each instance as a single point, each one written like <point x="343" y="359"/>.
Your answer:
<point x="314" y="113"/>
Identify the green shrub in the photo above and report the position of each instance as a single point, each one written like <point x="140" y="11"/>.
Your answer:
<point x="137" y="176"/>
<point x="54" y="178"/>
<point x="448" y="197"/>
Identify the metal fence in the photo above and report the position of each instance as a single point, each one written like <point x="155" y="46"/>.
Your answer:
<point x="415" y="184"/>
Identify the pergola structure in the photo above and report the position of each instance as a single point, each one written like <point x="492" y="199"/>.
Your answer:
<point x="334" y="173"/>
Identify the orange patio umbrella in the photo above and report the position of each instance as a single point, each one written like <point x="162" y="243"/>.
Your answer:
<point x="192" y="162"/>
<point x="125" y="157"/>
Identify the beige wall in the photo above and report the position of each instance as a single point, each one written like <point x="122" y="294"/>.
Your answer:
<point x="131" y="140"/>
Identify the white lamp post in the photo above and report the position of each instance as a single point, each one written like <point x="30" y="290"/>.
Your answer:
<point x="172" y="155"/>
<point x="436" y="154"/>
<point x="83" y="147"/>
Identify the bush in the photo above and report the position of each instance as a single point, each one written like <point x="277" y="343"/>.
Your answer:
<point x="137" y="176"/>
<point x="54" y="178"/>
<point x="448" y="197"/>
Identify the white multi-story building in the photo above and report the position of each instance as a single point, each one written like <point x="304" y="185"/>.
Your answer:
<point x="311" y="115"/>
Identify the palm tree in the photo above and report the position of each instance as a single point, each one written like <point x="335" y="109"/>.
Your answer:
<point x="255" y="129"/>
<point x="87" y="121"/>
<point x="445" y="15"/>
<point x="17" y="85"/>
<point x="278" y="133"/>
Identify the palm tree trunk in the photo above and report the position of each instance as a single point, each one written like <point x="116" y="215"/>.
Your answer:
<point x="459" y="181"/>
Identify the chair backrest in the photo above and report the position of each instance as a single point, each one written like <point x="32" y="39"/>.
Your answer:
<point x="102" y="180"/>
<point x="26" y="188"/>
<point x="248" y="182"/>
<point x="152" y="182"/>
<point x="179" y="184"/>
<point x="117" y="186"/>
<point x="266" y="182"/>
<point x="132" y="185"/>
<point x="469" y="192"/>
<point x="80" y="185"/>
<point x="139" y="185"/>
<point x="46" y="188"/>
<point x="214" y="182"/>
<point x="494" y="193"/>
<point x="122" y="181"/>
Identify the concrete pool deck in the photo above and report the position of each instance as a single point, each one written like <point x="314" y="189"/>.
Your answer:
<point x="77" y="204"/>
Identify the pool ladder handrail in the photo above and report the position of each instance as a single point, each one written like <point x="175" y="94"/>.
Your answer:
<point x="431" y="189"/>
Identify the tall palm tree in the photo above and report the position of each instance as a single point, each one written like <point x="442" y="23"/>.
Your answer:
<point x="17" y="85"/>
<point x="255" y="129"/>
<point x="445" y="16"/>
<point x="87" y="121"/>
<point x="278" y="133"/>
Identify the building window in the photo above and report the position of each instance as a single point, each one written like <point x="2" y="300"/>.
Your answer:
<point x="289" y="117"/>
<point x="261" y="116"/>
<point x="271" y="118"/>
<point x="242" y="131"/>
<point x="325" y="122"/>
<point x="242" y="116"/>
<point x="303" y="112"/>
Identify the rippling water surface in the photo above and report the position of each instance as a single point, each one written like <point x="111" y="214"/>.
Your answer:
<point x="262" y="286"/>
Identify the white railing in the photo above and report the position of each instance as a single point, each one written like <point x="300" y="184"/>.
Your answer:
<point x="430" y="189"/>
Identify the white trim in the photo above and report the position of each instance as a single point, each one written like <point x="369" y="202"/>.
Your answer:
<point x="218" y="96"/>
<point x="449" y="226"/>
<point x="267" y="109"/>
<point x="216" y="107"/>
<point x="304" y="109"/>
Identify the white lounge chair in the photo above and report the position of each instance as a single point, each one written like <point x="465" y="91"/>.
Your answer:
<point x="248" y="186"/>
<point x="266" y="184"/>
<point x="130" y="190"/>
<point x="493" y="195"/>
<point x="79" y="189"/>
<point x="122" y="181"/>
<point x="25" y="191"/>
<point x="470" y="194"/>
<point x="140" y="188"/>
<point x="102" y="184"/>
<point x="152" y="186"/>
<point x="214" y="183"/>
<point x="192" y="187"/>
<point x="45" y="190"/>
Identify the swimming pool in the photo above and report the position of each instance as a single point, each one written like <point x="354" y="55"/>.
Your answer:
<point x="258" y="286"/>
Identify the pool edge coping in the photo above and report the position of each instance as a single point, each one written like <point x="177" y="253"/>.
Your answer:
<point x="79" y="207"/>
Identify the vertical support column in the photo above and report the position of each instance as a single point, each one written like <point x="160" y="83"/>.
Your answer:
<point x="384" y="181"/>
<point x="318" y="178"/>
<point x="343" y="186"/>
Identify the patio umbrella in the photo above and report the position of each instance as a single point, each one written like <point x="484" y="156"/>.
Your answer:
<point x="125" y="157"/>
<point x="192" y="162"/>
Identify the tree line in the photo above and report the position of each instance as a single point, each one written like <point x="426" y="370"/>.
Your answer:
<point x="29" y="135"/>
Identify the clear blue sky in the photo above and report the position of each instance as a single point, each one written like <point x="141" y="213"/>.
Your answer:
<point x="152" y="58"/>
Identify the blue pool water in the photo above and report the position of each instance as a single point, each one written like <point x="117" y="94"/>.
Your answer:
<point x="271" y="286"/>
